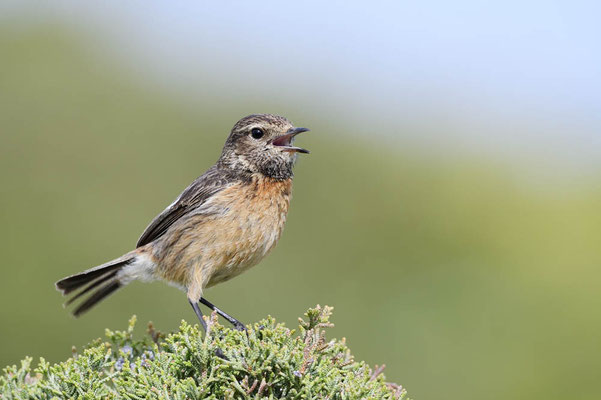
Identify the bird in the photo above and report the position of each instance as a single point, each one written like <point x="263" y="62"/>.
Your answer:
<point x="223" y="223"/>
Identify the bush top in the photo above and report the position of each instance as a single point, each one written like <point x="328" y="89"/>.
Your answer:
<point x="270" y="361"/>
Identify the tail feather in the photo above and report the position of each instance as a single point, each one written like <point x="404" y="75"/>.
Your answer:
<point x="74" y="282"/>
<point x="98" y="295"/>
<point x="92" y="285"/>
<point x="101" y="279"/>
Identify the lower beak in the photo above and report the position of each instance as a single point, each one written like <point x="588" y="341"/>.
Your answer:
<point x="285" y="141"/>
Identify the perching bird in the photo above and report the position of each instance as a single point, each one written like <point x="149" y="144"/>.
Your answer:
<point x="225" y="222"/>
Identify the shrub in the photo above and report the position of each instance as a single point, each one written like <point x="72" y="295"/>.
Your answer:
<point x="269" y="361"/>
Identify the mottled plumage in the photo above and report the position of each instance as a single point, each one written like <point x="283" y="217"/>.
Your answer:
<point x="225" y="222"/>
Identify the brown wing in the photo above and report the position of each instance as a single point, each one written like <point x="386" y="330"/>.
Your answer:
<point x="199" y="191"/>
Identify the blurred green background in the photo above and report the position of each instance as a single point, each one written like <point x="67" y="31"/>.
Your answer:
<point x="468" y="273"/>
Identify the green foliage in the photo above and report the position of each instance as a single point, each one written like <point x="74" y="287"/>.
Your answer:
<point x="269" y="361"/>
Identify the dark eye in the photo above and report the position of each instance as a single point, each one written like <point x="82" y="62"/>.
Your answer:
<point x="257" y="133"/>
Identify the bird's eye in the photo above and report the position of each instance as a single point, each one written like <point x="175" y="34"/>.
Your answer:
<point x="257" y="133"/>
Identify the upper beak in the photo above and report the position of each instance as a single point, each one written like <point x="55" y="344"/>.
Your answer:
<point x="285" y="140"/>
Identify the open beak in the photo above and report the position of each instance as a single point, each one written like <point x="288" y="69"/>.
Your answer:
<point x="285" y="141"/>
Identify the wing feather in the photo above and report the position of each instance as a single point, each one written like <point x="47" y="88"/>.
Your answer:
<point x="199" y="191"/>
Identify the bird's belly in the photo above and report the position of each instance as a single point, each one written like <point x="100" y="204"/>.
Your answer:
<point x="249" y="242"/>
<point x="217" y="248"/>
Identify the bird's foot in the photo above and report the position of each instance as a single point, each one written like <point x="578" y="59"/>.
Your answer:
<point x="239" y="326"/>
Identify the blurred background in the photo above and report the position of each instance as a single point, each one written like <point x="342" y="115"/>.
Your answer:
<point x="450" y="210"/>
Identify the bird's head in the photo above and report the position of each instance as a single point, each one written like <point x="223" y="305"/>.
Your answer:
<point x="262" y="143"/>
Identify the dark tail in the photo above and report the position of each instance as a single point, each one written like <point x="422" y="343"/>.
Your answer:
<point x="101" y="281"/>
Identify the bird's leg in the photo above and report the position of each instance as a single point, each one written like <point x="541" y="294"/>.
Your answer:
<point x="198" y="314"/>
<point x="237" y="324"/>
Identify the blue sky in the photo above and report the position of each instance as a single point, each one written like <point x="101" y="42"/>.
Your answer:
<point x="505" y="75"/>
